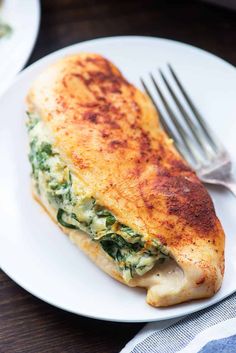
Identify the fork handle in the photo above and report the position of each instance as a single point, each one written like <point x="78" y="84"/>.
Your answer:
<point x="229" y="183"/>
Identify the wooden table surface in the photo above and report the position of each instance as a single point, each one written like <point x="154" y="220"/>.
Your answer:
<point x="26" y="323"/>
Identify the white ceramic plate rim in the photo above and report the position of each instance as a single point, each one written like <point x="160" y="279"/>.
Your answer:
<point x="51" y="57"/>
<point x="20" y="62"/>
<point x="59" y="53"/>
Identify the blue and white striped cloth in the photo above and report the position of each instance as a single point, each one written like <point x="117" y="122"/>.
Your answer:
<point x="212" y="330"/>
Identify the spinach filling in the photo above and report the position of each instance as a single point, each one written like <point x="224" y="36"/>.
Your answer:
<point x="5" y="29"/>
<point x="80" y="211"/>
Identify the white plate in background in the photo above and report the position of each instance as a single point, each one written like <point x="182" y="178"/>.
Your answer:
<point x="23" y="16"/>
<point x="36" y="254"/>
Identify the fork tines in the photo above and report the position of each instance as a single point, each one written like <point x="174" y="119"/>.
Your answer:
<point x="192" y="136"/>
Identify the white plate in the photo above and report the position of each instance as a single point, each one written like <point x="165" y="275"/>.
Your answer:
<point x="36" y="254"/>
<point x="23" y="16"/>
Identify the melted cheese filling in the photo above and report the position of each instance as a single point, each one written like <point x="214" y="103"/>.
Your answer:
<point x="78" y="210"/>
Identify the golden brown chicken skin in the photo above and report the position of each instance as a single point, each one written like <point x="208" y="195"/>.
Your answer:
<point x="108" y="133"/>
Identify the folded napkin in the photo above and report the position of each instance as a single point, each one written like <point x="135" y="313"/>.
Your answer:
<point x="212" y="330"/>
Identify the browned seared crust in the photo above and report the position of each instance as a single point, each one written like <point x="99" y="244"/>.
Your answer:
<point x="107" y="131"/>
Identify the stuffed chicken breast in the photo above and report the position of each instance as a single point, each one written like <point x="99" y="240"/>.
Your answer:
<point x="109" y="176"/>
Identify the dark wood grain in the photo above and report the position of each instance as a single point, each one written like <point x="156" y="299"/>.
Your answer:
<point x="28" y="325"/>
<point x="66" y="22"/>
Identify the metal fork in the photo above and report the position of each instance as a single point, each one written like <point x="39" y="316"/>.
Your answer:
<point x="192" y="136"/>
